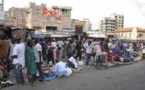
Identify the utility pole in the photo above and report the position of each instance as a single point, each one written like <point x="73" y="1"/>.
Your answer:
<point x="2" y="5"/>
<point x="22" y="26"/>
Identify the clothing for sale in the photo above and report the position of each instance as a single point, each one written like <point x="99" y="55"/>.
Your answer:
<point x="4" y="56"/>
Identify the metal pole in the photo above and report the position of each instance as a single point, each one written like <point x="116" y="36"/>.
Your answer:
<point x="2" y="5"/>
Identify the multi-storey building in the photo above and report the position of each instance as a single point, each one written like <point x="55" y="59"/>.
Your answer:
<point x="16" y="17"/>
<point x="88" y="25"/>
<point x="40" y="17"/>
<point x="2" y="12"/>
<point x="85" y="23"/>
<point x="119" y="20"/>
<point x="109" y="24"/>
<point x="73" y="23"/>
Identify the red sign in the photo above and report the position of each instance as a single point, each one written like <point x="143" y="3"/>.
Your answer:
<point x="55" y="13"/>
<point x="79" y="29"/>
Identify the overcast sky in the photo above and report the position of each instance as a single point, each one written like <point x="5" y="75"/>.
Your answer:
<point x="95" y="10"/>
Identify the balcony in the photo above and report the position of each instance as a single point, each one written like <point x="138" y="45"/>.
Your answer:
<point x="110" y="25"/>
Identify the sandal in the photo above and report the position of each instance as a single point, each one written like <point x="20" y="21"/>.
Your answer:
<point x="33" y="84"/>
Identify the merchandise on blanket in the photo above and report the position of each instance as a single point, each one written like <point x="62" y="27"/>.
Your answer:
<point x="111" y="55"/>
<point x="122" y="59"/>
<point x="110" y="64"/>
<point x="116" y="50"/>
<point x="5" y="83"/>
<point x="51" y="77"/>
<point x="117" y="59"/>
<point x="48" y="70"/>
<point x="127" y="59"/>
<point x="48" y="73"/>
<point x="138" y="59"/>
<point x="134" y="55"/>
<point x="132" y="58"/>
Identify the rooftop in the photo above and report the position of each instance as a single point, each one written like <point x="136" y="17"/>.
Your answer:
<point x="130" y="29"/>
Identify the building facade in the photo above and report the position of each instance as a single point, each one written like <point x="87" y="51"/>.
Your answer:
<point x="85" y="23"/>
<point x="39" y="17"/>
<point x="119" y="20"/>
<point x="131" y="34"/>
<point x="16" y="17"/>
<point x="2" y="22"/>
<point x="109" y="24"/>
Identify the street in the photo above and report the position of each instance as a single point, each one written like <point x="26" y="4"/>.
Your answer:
<point x="127" y="77"/>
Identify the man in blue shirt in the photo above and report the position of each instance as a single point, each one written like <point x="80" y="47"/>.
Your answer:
<point x="60" y="69"/>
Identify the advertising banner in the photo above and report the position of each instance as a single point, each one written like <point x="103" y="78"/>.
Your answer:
<point x="52" y="13"/>
<point x="78" y="29"/>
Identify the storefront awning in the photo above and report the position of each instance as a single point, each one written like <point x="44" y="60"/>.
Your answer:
<point x="38" y="36"/>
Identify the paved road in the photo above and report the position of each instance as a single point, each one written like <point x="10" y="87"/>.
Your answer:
<point x="128" y="77"/>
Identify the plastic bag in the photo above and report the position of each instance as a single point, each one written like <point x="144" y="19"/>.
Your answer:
<point x="80" y="63"/>
<point x="69" y="72"/>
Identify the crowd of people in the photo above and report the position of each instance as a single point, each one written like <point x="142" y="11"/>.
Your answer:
<point x="63" y="54"/>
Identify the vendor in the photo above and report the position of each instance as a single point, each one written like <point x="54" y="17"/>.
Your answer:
<point x="60" y="68"/>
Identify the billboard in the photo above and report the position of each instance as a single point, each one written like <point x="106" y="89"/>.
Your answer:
<point x="78" y="29"/>
<point x="52" y="13"/>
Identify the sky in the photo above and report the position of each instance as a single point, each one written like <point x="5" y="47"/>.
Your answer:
<point x="95" y="10"/>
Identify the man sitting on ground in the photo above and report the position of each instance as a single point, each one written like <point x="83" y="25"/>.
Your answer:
<point x="60" y="68"/>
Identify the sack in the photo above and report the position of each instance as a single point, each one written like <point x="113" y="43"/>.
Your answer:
<point x="69" y="72"/>
<point x="80" y="63"/>
<point x="102" y="48"/>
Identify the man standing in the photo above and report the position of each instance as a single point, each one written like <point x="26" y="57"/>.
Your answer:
<point x="78" y="48"/>
<point x="39" y="60"/>
<point x="19" y="60"/>
<point x="88" y="48"/>
<point x="12" y="45"/>
<point x="99" y="54"/>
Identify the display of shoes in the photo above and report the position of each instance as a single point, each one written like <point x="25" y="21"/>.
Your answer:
<point x="5" y="83"/>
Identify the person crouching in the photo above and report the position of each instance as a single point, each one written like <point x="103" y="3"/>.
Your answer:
<point x="60" y="69"/>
